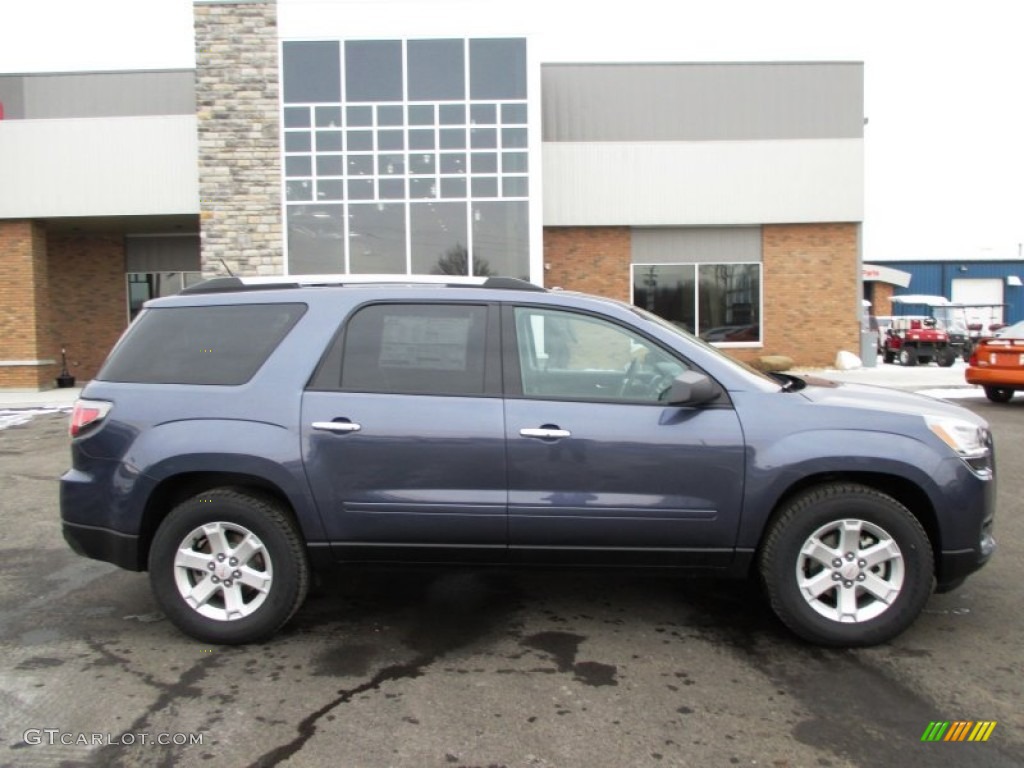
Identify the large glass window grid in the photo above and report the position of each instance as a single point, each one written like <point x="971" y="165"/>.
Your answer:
<point x="408" y="185"/>
<point x="720" y="302"/>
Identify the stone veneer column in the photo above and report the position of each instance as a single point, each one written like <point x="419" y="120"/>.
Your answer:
<point x="239" y="158"/>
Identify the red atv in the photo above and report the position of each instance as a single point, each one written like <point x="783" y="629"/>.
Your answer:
<point x="913" y="340"/>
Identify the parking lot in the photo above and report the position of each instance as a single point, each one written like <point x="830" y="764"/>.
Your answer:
<point x="488" y="668"/>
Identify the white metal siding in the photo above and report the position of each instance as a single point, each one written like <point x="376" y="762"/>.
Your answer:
<point x="99" y="167"/>
<point x="703" y="102"/>
<point x="709" y="245"/>
<point x="703" y="183"/>
<point x="109" y="94"/>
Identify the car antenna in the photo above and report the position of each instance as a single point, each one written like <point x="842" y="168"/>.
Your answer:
<point x="227" y="268"/>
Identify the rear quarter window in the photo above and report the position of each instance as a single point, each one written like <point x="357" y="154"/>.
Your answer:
<point x="223" y="345"/>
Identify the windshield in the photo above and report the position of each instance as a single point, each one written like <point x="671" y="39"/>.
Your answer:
<point x="951" y="318"/>
<point x="762" y="378"/>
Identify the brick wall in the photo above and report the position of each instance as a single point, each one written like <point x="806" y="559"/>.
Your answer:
<point x="88" y="298"/>
<point x="239" y="161"/>
<point x="589" y="259"/>
<point x="881" y="298"/>
<point x="810" y="274"/>
<point x="25" y="329"/>
<point x="811" y="292"/>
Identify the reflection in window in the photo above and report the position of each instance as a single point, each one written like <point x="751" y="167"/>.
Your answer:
<point x="296" y="117"/>
<point x="497" y="69"/>
<point x="437" y="70"/>
<point x="376" y="237"/>
<point x="328" y="117"/>
<point x="439" y="239"/>
<point x="143" y="286"/>
<point x="729" y="301"/>
<point x="373" y="70"/>
<point x="501" y="238"/>
<point x="315" y="235"/>
<point x="300" y="165"/>
<point x="669" y="291"/>
<point x="329" y="165"/>
<point x="311" y="72"/>
<point x="720" y="302"/>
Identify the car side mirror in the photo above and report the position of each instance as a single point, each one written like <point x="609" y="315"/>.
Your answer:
<point x="692" y="388"/>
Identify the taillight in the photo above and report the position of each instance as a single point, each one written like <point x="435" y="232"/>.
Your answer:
<point x="87" y="413"/>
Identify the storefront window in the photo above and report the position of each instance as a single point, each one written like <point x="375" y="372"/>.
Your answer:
<point x="388" y="175"/>
<point x="143" y="286"/>
<point x="719" y="302"/>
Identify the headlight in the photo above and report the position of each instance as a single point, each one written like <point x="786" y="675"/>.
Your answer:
<point x="971" y="442"/>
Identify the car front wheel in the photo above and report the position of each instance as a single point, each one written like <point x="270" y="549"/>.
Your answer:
<point x="228" y="567"/>
<point x="999" y="394"/>
<point x="908" y="356"/>
<point x="845" y="565"/>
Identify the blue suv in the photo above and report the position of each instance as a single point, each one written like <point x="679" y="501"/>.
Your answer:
<point x="247" y="431"/>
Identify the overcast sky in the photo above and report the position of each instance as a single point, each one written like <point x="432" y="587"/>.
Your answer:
<point x="944" y="83"/>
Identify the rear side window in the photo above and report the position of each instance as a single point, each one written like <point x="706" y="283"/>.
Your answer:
<point x="410" y="349"/>
<point x="222" y="345"/>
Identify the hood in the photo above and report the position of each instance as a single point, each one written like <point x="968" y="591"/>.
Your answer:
<point x="873" y="398"/>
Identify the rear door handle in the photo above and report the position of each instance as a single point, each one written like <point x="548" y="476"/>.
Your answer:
<point x="546" y="433"/>
<point x="337" y="426"/>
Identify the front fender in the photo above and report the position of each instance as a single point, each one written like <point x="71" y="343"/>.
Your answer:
<point x="777" y="466"/>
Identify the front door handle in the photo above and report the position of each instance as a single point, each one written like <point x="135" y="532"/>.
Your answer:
<point x="337" y="426"/>
<point x="546" y="433"/>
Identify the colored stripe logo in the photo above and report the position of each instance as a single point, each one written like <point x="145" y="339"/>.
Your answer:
<point x="959" y="730"/>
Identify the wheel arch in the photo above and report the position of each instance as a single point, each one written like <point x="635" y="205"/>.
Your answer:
<point x="905" y="491"/>
<point x="173" y="490"/>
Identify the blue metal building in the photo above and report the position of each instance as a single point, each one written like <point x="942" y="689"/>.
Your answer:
<point x="968" y="281"/>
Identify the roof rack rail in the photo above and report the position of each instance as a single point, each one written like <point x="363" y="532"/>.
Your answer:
<point x="263" y="282"/>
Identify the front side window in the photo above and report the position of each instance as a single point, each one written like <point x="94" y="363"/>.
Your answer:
<point x="572" y="356"/>
<point x="721" y="303"/>
<point x="411" y="349"/>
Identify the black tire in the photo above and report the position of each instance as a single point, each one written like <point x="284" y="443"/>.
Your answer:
<point x="946" y="358"/>
<point x="999" y="394"/>
<point x="908" y="356"/>
<point x="275" y="557"/>
<point x="889" y="357"/>
<point x="873" y="517"/>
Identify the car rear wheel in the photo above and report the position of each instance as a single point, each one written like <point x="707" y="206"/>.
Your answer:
<point x="845" y="565"/>
<point x="228" y="567"/>
<point x="946" y="358"/>
<point x="908" y="356"/>
<point x="999" y="394"/>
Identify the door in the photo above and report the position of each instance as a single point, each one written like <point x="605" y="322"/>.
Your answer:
<point x="599" y="466"/>
<point x="403" y="435"/>
<point x="980" y="291"/>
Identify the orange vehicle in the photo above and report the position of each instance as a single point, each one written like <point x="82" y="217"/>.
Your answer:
<point x="997" y="364"/>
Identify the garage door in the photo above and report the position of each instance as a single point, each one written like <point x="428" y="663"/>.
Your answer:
<point x="990" y="291"/>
